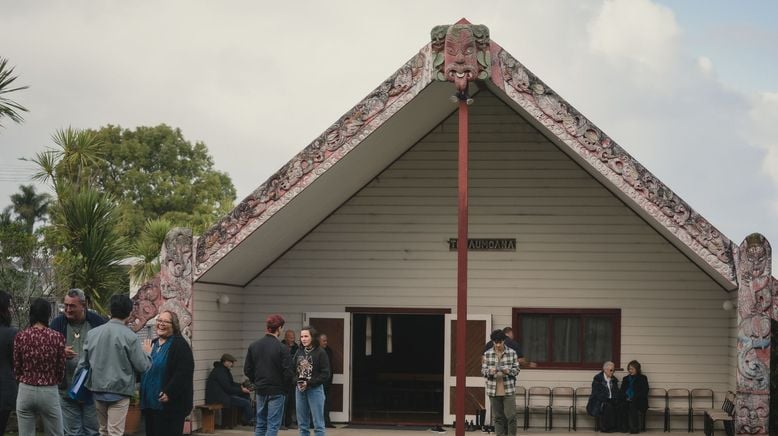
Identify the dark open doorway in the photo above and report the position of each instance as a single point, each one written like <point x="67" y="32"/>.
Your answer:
<point x="397" y="368"/>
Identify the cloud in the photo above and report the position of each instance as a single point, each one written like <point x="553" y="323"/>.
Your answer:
<point x="706" y="66"/>
<point x="258" y="83"/>
<point x="638" y="31"/>
<point x="763" y="132"/>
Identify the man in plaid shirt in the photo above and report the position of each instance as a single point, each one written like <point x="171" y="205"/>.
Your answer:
<point x="500" y="366"/>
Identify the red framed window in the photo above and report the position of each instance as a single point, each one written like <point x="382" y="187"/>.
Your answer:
<point x="569" y="338"/>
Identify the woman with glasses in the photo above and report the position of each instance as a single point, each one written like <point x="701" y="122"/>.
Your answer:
<point x="166" y="389"/>
<point x="604" y="400"/>
<point x="634" y="391"/>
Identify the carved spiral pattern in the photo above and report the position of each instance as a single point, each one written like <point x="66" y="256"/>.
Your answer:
<point x="351" y="129"/>
<point x="615" y="163"/>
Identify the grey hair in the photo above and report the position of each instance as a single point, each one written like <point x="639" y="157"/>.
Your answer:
<point x="77" y="293"/>
<point x="607" y="364"/>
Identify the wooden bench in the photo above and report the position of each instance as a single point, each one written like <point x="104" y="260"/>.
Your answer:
<point x="208" y="412"/>
<point x="725" y="415"/>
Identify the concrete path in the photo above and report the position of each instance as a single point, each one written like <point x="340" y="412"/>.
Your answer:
<point x="340" y="431"/>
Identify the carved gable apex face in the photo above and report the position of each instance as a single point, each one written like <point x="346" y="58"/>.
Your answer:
<point x="461" y="53"/>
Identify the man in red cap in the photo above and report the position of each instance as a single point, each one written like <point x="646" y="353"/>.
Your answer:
<point x="269" y="367"/>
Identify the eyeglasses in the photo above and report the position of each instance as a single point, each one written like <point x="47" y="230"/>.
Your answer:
<point x="162" y="321"/>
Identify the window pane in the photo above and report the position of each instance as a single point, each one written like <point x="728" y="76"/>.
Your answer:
<point x="534" y="337"/>
<point x="598" y="339"/>
<point x="566" y="330"/>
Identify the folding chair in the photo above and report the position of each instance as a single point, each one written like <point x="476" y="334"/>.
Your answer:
<point x="679" y="404"/>
<point x="539" y="400"/>
<point x="521" y="406"/>
<point x="562" y="400"/>
<point x="582" y="395"/>
<point x="657" y="405"/>
<point x="702" y="401"/>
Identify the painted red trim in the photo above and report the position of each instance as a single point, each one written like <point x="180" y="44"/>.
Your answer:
<point x="614" y="314"/>
<point x="462" y="269"/>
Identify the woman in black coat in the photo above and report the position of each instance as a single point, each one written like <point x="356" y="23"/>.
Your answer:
<point x="603" y="403"/>
<point x="167" y="388"/>
<point x="634" y="391"/>
<point x="312" y="367"/>
<point x="7" y="379"/>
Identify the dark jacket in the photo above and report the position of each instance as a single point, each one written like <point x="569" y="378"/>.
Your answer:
<point x="7" y="379"/>
<point x="268" y="366"/>
<point x="321" y="366"/>
<point x="177" y="382"/>
<point x="328" y="350"/>
<point x="292" y="348"/>
<point x="220" y="386"/>
<point x="60" y="323"/>
<point x="640" y="388"/>
<point x="600" y="394"/>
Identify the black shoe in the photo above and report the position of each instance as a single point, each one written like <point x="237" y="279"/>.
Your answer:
<point x="330" y="425"/>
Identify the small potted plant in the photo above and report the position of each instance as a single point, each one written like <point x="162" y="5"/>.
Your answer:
<point x="132" y="423"/>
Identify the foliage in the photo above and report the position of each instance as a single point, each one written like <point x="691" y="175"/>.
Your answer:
<point x="157" y="174"/>
<point x="25" y="267"/>
<point x="69" y="165"/>
<point x="25" y="270"/>
<point x="84" y="236"/>
<point x="9" y="108"/>
<point x="92" y="249"/>
<point x="146" y="248"/>
<point x="29" y="206"/>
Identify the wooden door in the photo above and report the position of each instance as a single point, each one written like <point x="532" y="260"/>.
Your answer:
<point x="479" y="327"/>
<point x="337" y="327"/>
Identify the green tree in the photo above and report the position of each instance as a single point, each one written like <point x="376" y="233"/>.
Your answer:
<point x="29" y="206"/>
<point x="146" y="250"/>
<point x="9" y="108"/>
<point x="157" y="174"/>
<point x="86" y="225"/>
<point x="84" y="236"/>
<point x="72" y="164"/>
<point x="25" y="270"/>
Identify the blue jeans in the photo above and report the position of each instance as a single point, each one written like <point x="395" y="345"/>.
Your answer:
<point x="244" y="404"/>
<point x="310" y="403"/>
<point x="270" y="410"/>
<point x="78" y="419"/>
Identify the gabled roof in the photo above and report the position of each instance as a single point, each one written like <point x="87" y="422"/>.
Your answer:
<point x="392" y="119"/>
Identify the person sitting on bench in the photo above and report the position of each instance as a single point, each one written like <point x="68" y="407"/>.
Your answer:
<point x="604" y="401"/>
<point x="220" y="388"/>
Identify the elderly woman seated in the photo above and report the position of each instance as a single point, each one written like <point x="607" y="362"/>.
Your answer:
<point x="603" y="403"/>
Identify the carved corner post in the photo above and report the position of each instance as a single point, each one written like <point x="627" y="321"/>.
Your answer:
<point x="461" y="55"/>
<point x="755" y="308"/>
<point x="171" y="289"/>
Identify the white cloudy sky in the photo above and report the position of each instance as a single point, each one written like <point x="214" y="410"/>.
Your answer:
<point x="689" y="88"/>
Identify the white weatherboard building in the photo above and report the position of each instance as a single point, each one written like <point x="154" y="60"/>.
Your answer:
<point x="575" y="244"/>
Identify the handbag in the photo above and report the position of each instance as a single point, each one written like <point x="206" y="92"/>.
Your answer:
<point x="78" y="390"/>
